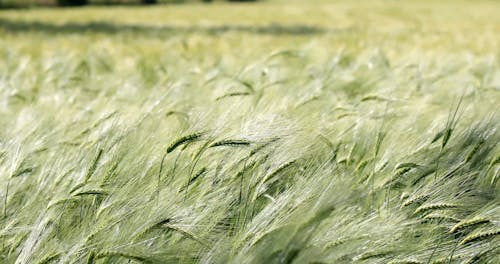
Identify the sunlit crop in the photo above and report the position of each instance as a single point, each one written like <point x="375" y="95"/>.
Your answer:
<point x="349" y="132"/>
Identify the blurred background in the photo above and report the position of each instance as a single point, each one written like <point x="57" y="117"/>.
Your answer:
<point x="55" y="3"/>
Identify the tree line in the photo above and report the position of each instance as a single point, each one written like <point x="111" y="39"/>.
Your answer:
<point x="21" y="3"/>
<point x="145" y="2"/>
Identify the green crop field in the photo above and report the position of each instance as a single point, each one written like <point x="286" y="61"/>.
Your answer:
<point x="270" y="132"/>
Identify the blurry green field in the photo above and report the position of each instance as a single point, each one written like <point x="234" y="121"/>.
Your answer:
<point x="277" y="132"/>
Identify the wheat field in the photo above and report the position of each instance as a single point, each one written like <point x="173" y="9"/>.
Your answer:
<point x="274" y="132"/>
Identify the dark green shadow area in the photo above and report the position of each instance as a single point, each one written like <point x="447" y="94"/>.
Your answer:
<point x="15" y="26"/>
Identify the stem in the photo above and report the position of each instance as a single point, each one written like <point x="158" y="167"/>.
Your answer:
<point x="159" y="178"/>
<point x="5" y="200"/>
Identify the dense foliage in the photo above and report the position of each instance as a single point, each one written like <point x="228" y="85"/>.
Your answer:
<point x="346" y="133"/>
